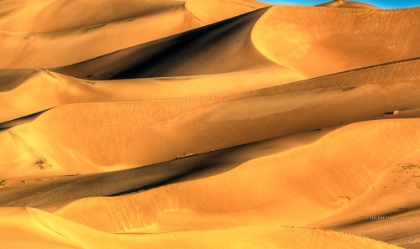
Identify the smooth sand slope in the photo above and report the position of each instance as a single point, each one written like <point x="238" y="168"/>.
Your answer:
<point x="196" y="52"/>
<point x="320" y="41"/>
<point x="46" y="193"/>
<point x="278" y="189"/>
<point x="29" y="39"/>
<point x="35" y="16"/>
<point x="44" y="230"/>
<point x="45" y="89"/>
<point x="83" y="137"/>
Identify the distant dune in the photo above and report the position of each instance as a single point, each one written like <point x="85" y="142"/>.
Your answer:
<point x="346" y="4"/>
<point x="208" y="124"/>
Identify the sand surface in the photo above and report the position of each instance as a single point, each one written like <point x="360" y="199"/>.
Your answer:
<point x="208" y="124"/>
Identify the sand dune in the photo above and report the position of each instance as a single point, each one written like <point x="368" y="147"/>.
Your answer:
<point x="45" y="230"/>
<point x="48" y="193"/>
<point x="60" y="89"/>
<point x="159" y="130"/>
<point x="322" y="41"/>
<point x="208" y="124"/>
<point x="278" y="192"/>
<point x="345" y="4"/>
<point x="35" y="16"/>
<point x="62" y="47"/>
<point x="38" y="42"/>
<point x="190" y="53"/>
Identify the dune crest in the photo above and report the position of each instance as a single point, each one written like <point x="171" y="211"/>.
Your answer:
<point x="299" y="38"/>
<point x="347" y="4"/>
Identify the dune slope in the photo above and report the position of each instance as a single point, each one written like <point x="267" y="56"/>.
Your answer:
<point x="346" y="4"/>
<point x="208" y="124"/>
<point x="29" y="39"/>
<point x="279" y="192"/>
<point x="190" y="53"/>
<point x="58" y="89"/>
<point x="159" y="130"/>
<point x="63" y="234"/>
<point x="320" y="41"/>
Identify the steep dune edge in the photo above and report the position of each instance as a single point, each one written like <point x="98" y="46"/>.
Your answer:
<point x="299" y="38"/>
<point x="68" y="234"/>
<point x="104" y="27"/>
<point x="35" y="16"/>
<point x="84" y="135"/>
<point x="278" y="188"/>
<point x="196" y="52"/>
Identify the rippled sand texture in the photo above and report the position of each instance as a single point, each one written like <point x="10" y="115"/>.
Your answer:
<point x="208" y="124"/>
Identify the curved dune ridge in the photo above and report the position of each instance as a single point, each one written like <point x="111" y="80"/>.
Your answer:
<point x="208" y="124"/>
<point x="39" y="42"/>
<point x="182" y="54"/>
<point x="342" y="38"/>
<point x="346" y="4"/>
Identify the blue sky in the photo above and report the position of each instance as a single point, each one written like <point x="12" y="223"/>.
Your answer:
<point x="384" y="4"/>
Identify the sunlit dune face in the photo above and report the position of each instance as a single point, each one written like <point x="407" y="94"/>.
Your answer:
<point x="322" y="41"/>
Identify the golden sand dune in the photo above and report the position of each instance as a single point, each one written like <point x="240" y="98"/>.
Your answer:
<point x="159" y="130"/>
<point x="62" y="47"/>
<point x="320" y="41"/>
<point x="60" y="89"/>
<point x="35" y="15"/>
<point x="191" y="53"/>
<point x="275" y="189"/>
<point x="44" y="230"/>
<point x="345" y="4"/>
<point x="208" y="124"/>
<point x="50" y="193"/>
<point x="39" y="42"/>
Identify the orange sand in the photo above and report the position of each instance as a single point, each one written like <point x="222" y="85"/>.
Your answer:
<point x="208" y="124"/>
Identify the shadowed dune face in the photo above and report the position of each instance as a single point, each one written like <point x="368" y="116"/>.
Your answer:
<point x="208" y="124"/>
<point x="192" y="53"/>
<point x="320" y="41"/>
<point x="107" y="26"/>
